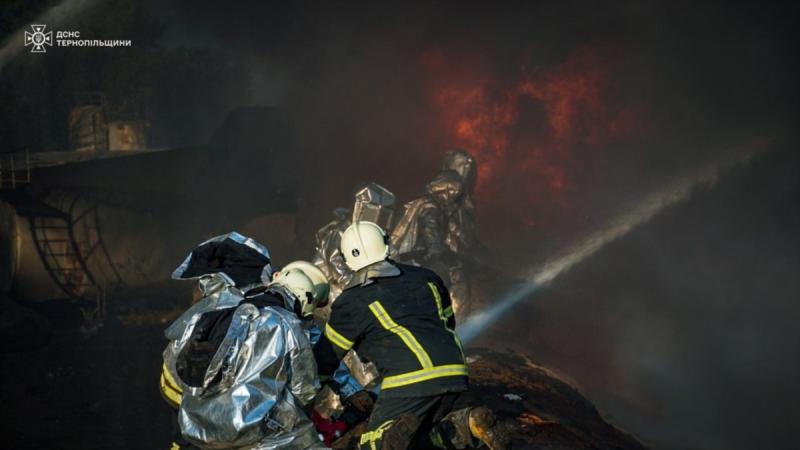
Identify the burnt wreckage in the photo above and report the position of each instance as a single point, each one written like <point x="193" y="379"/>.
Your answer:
<point x="79" y="224"/>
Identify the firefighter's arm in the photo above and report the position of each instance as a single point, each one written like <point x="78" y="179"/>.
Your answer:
<point x="344" y="383"/>
<point x="446" y="303"/>
<point x="342" y="332"/>
<point x="430" y="223"/>
<point x="327" y="358"/>
<point x="304" y="382"/>
<point x="170" y="390"/>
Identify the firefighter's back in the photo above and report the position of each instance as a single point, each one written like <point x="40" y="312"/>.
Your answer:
<point x="409" y="332"/>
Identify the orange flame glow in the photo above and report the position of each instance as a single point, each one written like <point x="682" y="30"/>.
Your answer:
<point x="533" y="135"/>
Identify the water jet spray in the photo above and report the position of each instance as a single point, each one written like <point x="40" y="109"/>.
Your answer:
<point x="676" y="192"/>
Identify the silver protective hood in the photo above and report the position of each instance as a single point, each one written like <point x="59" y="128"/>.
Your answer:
<point x="328" y="257"/>
<point x="374" y="203"/>
<point x="242" y="260"/>
<point x="464" y="164"/>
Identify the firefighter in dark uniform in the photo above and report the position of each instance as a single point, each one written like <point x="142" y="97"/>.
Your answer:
<point x="400" y="318"/>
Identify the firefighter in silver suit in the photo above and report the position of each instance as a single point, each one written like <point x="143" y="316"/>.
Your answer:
<point x="437" y="230"/>
<point x="327" y="256"/>
<point x="239" y="366"/>
<point x="373" y="203"/>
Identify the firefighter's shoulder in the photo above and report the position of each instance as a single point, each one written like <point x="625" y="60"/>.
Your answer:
<point x="418" y="272"/>
<point x="349" y="299"/>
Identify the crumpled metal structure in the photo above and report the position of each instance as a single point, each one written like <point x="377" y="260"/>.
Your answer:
<point x="259" y="380"/>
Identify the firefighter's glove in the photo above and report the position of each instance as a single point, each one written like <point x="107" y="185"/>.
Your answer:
<point x="363" y="401"/>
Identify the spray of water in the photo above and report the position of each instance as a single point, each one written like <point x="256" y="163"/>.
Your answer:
<point x="678" y="191"/>
<point x="53" y="17"/>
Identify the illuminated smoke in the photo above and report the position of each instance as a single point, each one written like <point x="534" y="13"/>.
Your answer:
<point x="676" y="192"/>
<point x="537" y="131"/>
<point x="53" y="17"/>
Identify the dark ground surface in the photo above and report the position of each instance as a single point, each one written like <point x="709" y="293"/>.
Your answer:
<point x="545" y="411"/>
<point x="100" y="391"/>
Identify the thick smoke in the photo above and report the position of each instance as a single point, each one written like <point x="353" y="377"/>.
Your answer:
<point x="567" y="107"/>
<point x="574" y="111"/>
<point x="639" y="215"/>
<point x="683" y="331"/>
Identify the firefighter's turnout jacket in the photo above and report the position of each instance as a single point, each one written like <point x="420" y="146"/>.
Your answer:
<point x="400" y="318"/>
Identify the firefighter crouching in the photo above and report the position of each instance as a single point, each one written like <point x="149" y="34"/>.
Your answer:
<point x="239" y="366"/>
<point x="400" y="318"/>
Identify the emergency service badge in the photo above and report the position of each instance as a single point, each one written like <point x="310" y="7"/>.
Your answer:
<point x="38" y="39"/>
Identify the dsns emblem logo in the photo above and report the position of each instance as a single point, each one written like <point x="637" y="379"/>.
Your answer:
<point x="38" y="38"/>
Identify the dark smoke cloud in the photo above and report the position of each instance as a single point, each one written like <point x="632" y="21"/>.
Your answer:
<point x="674" y="331"/>
<point x="684" y="331"/>
<point x="355" y="79"/>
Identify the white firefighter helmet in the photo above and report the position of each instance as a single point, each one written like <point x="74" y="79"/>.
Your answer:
<point x="362" y="244"/>
<point x="299" y="284"/>
<point x="321" y="285"/>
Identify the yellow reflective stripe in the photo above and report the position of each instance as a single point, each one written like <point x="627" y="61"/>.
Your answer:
<point x="409" y="339"/>
<point x="438" y="298"/>
<point x="417" y="376"/>
<point x="372" y="437"/>
<point x="448" y="312"/>
<point x="445" y="314"/>
<point x="175" y="446"/>
<point x="168" y="376"/>
<point x="334" y="336"/>
<point x="171" y="394"/>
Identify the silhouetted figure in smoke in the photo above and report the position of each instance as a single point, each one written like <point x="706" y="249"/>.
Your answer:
<point x="437" y="230"/>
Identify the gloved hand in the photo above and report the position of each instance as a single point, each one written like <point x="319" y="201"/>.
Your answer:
<point x="363" y="401"/>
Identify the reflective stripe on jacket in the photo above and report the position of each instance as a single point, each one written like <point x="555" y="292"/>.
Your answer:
<point x="405" y="325"/>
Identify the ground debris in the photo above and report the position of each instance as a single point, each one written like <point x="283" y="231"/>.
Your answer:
<point x="544" y="411"/>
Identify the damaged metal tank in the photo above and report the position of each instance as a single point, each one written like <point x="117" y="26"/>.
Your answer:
<point x="79" y="223"/>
